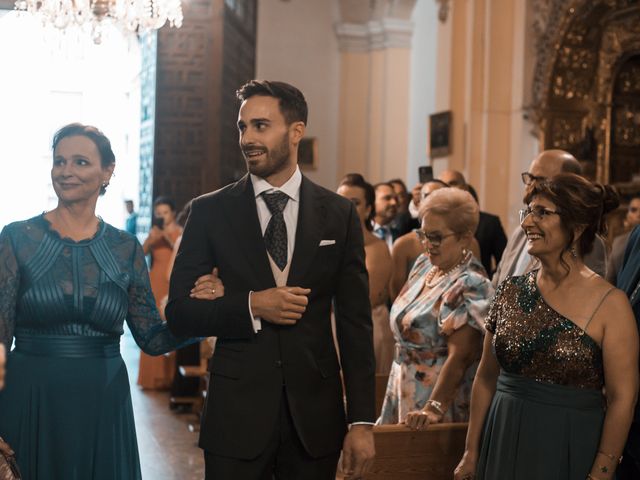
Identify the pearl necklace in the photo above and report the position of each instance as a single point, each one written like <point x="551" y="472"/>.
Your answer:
<point x="435" y="271"/>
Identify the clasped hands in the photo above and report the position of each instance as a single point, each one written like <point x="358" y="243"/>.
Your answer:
<point x="280" y="305"/>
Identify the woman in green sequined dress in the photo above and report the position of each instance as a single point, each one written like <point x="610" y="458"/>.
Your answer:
<point x="557" y="339"/>
<point x="68" y="281"/>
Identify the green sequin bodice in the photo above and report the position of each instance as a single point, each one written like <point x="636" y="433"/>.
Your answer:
<point x="533" y="340"/>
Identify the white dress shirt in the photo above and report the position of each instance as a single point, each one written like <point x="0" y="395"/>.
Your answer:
<point x="290" y="213"/>
<point x="383" y="232"/>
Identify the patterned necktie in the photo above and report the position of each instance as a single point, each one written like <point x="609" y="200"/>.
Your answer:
<point x="382" y="232"/>
<point x="275" y="236"/>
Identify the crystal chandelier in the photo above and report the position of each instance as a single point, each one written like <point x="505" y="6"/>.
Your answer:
<point x="140" y="16"/>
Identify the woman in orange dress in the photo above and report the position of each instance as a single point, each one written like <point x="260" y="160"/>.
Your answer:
<point x="157" y="372"/>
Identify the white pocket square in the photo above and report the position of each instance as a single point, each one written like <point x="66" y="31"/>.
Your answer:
<point x="324" y="243"/>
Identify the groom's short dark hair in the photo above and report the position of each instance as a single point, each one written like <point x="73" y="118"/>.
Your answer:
<point x="293" y="106"/>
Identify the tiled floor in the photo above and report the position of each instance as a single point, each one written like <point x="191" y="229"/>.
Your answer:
<point x="168" y="451"/>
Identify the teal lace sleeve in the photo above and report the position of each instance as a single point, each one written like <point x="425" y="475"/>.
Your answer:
<point x="149" y="330"/>
<point x="9" y="283"/>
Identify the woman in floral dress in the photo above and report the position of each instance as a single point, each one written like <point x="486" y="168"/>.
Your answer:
<point x="436" y="320"/>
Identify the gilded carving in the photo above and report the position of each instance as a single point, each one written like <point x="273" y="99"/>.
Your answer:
<point x="579" y="46"/>
<point x="626" y="123"/>
<point x="628" y="81"/>
<point x="566" y="132"/>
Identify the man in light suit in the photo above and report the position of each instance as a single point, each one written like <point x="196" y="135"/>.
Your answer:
<point x="515" y="259"/>
<point x="629" y="282"/>
<point x="285" y="249"/>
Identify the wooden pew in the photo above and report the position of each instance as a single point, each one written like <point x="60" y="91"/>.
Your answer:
<point x="405" y="454"/>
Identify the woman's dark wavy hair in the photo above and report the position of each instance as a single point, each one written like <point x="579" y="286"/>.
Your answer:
<point x="100" y="140"/>
<point x="580" y="203"/>
<point x="357" y="180"/>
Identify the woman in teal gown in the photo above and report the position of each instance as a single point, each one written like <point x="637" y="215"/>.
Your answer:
<point x="68" y="281"/>
<point x="554" y="393"/>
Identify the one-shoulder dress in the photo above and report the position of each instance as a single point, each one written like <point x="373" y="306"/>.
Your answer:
<point x="66" y="409"/>
<point x="546" y="416"/>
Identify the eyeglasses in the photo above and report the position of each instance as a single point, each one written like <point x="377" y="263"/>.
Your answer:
<point x="538" y="213"/>
<point x="528" y="178"/>
<point x="432" y="239"/>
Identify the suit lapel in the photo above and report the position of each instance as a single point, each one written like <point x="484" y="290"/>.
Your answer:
<point x="243" y="218"/>
<point x="311" y="220"/>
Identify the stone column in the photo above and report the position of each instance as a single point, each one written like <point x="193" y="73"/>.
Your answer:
<point x="375" y="42"/>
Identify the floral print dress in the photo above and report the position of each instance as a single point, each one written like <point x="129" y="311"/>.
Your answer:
<point x="421" y="321"/>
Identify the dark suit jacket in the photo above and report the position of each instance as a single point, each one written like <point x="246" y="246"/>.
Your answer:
<point x="492" y="240"/>
<point x="402" y="224"/>
<point x="248" y="370"/>
<point x="628" y="279"/>
<point x="616" y="257"/>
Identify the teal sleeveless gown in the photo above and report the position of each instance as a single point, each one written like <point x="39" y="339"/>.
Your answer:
<point x="66" y="408"/>
<point x="546" y="416"/>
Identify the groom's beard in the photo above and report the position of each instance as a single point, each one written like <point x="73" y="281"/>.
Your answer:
<point x="272" y="162"/>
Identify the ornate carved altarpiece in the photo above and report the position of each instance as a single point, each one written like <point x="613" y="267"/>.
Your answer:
<point x="586" y="89"/>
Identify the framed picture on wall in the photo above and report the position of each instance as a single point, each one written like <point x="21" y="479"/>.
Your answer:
<point x="440" y="134"/>
<point x="308" y="153"/>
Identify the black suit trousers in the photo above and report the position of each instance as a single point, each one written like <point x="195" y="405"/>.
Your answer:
<point x="285" y="458"/>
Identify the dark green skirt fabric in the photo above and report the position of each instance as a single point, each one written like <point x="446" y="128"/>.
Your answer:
<point x="66" y="410"/>
<point x="540" y="431"/>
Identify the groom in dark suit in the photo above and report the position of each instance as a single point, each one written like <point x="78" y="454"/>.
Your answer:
<point x="629" y="282"/>
<point x="285" y="249"/>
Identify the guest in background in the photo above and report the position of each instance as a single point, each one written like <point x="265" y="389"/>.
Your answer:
<point x="379" y="266"/>
<point x="386" y="209"/>
<point x="629" y="282"/>
<point x="157" y="372"/>
<point x="131" y="224"/>
<point x="403" y="222"/>
<point x="490" y="234"/>
<point x="69" y="281"/>
<point x="556" y="336"/>
<point x="616" y="258"/>
<point x="408" y="248"/>
<point x="8" y="466"/>
<point x="189" y="355"/>
<point x="515" y="258"/>
<point x="438" y="345"/>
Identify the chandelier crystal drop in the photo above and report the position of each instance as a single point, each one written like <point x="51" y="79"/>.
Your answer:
<point x="139" y="16"/>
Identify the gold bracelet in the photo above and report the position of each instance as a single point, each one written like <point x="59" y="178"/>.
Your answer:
<point x="436" y="405"/>
<point x="611" y="457"/>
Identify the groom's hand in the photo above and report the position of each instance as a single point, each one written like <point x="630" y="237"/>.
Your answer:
<point x="358" y="451"/>
<point x="281" y="306"/>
